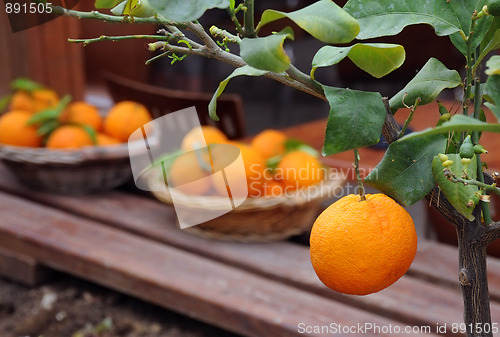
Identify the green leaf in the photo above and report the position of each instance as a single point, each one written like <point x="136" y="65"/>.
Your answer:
<point x="355" y="121"/>
<point x="388" y="17"/>
<point x="433" y="78"/>
<point x="480" y="31"/>
<point x="492" y="90"/>
<point x="493" y="65"/>
<point x="493" y="44"/>
<point x="25" y="84"/>
<point x="405" y="172"/>
<point x="90" y="131"/>
<point x="377" y="59"/>
<point x="457" y="194"/>
<point x="324" y="20"/>
<point x="4" y="102"/>
<point x="137" y="8"/>
<point x="185" y="10"/>
<point x="455" y="124"/>
<point x="48" y="127"/>
<point x="242" y="71"/>
<point x="267" y="53"/>
<point x="45" y="115"/>
<point x="107" y="3"/>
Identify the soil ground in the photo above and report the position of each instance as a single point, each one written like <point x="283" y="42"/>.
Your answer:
<point x="69" y="307"/>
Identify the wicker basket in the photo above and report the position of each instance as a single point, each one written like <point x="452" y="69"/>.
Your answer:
<point x="256" y="219"/>
<point x="90" y="169"/>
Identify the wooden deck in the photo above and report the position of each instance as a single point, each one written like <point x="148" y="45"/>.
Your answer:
<point x="130" y="243"/>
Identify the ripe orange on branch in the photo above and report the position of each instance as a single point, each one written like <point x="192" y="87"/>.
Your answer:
<point x="359" y="247"/>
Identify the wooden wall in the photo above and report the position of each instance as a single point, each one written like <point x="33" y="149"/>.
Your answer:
<point x="43" y="54"/>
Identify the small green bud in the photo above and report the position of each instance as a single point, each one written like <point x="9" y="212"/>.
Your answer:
<point x="478" y="149"/>
<point x="443" y="157"/>
<point x="473" y="201"/>
<point x="445" y="117"/>
<point x="467" y="149"/>
<point x="447" y="163"/>
<point x="465" y="161"/>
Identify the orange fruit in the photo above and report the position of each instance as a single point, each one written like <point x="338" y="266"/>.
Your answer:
<point x="82" y="113"/>
<point x="254" y="165"/>
<point x="269" y="143"/>
<point x="69" y="137"/>
<point x="197" y="138"/>
<point x="186" y="173"/>
<point x="361" y="247"/>
<point x="14" y="129"/>
<point x="21" y="100"/>
<point x="104" y="140"/>
<point x="299" y="169"/>
<point x="124" y="118"/>
<point x="44" y="98"/>
<point x="272" y="188"/>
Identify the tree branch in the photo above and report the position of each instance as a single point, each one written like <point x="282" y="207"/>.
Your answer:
<point x="248" y="23"/>
<point x="492" y="232"/>
<point x="200" y="32"/>
<point x="95" y="15"/>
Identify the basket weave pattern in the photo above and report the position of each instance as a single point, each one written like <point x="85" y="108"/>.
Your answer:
<point x="82" y="171"/>
<point x="257" y="219"/>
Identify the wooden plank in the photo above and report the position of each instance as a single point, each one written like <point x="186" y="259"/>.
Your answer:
<point x="23" y="269"/>
<point x="201" y="288"/>
<point x="409" y="300"/>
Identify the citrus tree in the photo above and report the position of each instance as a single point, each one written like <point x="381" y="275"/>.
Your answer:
<point x="446" y="158"/>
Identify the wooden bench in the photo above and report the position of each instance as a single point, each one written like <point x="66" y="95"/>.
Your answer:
<point x="130" y="243"/>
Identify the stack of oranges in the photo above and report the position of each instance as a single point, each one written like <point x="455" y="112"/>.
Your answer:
<point x="274" y="164"/>
<point x="40" y="118"/>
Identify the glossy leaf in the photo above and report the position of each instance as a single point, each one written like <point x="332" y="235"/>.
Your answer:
<point x="324" y="20"/>
<point x="457" y="194"/>
<point x="492" y="90"/>
<point x="107" y="3"/>
<point x="137" y="8"/>
<point x="457" y="123"/>
<point x="493" y="65"/>
<point x="388" y="17"/>
<point x="242" y="71"/>
<point x="185" y="10"/>
<point x="356" y="119"/>
<point x="377" y="59"/>
<point x="433" y="78"/>
<point x="267" y="53"/>
<point x="405" y="172"/>
<point x="493" y="44"/>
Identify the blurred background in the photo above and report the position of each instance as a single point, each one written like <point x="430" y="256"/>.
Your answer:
<point x="43" y="54"/>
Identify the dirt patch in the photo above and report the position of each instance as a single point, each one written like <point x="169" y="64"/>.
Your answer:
<point x="69" y="307"/>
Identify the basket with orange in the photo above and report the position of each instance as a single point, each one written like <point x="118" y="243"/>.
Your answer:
<point x="56" y="144"/>
<point x="280" y="192"/>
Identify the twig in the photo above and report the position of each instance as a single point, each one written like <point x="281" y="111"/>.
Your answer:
<point x="235" y="20"/>
<point x="200" y="32"/>
<point x="123" y="37"/>
<point x="490" y="188"/>
<point x="410" y="117"/>
<point x="225" y="35"/>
